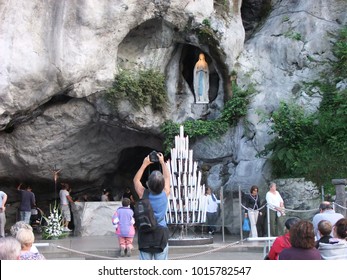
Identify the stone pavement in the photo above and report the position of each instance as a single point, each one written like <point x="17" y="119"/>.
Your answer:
<point x="106" y="247"/>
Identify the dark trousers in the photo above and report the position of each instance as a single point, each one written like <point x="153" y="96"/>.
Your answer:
<point x="276" y="224"/>
<point x="211" y="221"/>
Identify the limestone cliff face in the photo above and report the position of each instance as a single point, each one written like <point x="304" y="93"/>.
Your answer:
<point x="59" y="57"/>
<point x="278" y="64"/>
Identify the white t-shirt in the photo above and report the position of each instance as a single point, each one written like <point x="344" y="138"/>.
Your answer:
<point x="63" y="197"/>
<point x="212" y="205"/>
<point x="104" y="197"/>
<point x="274" y="200"/>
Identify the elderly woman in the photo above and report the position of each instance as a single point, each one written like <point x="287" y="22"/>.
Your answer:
<point x="303" y="243"/>
<point x="26" y="239"/>
<point x="19" y="225"/>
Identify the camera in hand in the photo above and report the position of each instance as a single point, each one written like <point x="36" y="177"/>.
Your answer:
<point x="153" y="156"/>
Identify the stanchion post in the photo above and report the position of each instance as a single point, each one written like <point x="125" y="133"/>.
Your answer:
<point x="268" y="223"/>
<point x="240" y="202"/>
<point x="222" y="211"/>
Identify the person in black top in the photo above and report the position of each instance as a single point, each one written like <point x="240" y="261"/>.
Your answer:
<point x="127" y="194"/>
<point x="252" y="203"/>
<point x="27" y="202"/>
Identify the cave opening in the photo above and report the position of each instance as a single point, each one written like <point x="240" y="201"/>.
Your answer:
<point x="130" y="160"/>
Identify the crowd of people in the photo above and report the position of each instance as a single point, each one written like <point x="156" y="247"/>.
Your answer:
<point x="20" y="245"/>
<point x="299" y="241"/>
<point x="22" y="233"/>
<point x="325" y="237"/>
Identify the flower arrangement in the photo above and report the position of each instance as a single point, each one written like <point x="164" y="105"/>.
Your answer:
<point x="55" y="226"/>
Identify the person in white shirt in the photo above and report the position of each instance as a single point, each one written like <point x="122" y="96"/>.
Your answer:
<point x="212" y="210"/>
<point x="275" y="203"/>
<point x="65" y="198"/>
<point x="326" y="212"/>
<point x="105" y="194"/>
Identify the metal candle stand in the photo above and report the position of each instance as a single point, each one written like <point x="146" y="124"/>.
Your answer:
<point x="187" y="202"/>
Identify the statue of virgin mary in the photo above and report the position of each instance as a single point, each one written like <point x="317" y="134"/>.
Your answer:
<point x="201" y="80"/>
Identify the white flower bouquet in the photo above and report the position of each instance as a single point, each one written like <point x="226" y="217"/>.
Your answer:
<point x="54" y="224"/>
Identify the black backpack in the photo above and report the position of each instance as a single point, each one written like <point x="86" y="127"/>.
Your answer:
<point x="145" y="220"/>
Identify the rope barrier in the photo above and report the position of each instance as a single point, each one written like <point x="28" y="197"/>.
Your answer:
<point x="83" y="253"/>
<point x="300" y="211"/>
<point x="175" y="258"/>
<point x="341" y="206"/>
<point x="285" y="209"/>
<point x="244" y="207"/>
<point x="208" y="251"/>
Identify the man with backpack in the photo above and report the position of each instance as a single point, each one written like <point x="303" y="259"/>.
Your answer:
<point x="153" y="240"/>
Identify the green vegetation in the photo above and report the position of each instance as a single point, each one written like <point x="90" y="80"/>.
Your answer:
<point x="233" y="110"/>
<point x="206" y="35"/>
<point x="285" y="18"/>
<point x="143" y="88"/>
<point x="314" y="146"/>
<point x="222" y="7"/>
<point x="293" y="35"/>
<point x="207" y="23"/>
<point x="148" y="88"/>
<point x="221" y="2"/>
<point x="340" y="51"/>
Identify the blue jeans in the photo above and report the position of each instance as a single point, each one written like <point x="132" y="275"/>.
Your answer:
<point x="25" y="216"/>
<point x="155" y="256"/>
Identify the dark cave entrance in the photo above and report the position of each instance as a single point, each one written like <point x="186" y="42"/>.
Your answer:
<point x="130" y="160"/>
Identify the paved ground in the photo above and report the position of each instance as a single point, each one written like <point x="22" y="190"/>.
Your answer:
<point x="106" y="247"/>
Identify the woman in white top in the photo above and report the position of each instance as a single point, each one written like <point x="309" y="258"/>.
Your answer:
<point x="275" y="203"/>
<point x="211" y="210"/>
<point x="104" y="196"/>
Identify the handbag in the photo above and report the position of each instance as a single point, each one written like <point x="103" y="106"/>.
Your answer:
<point x="246" y="226"/>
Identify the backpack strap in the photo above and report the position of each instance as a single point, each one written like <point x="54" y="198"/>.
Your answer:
<point x="145" y="193"/>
